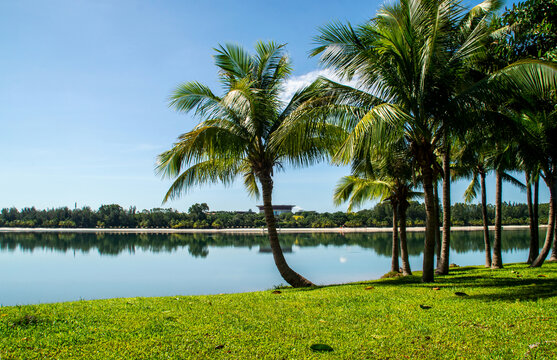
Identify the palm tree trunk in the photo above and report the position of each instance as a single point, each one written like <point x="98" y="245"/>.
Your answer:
<point x="497" y="261"/>
<point x="554" y="251"/>
<point x="552" y="184"/>
<point x="394" y="255"/>
<point x="485" y="220"/>
<point x="289" y="275"/>
<point x="443" y="265"/>
<point x="536" y="210"/>
<point x="429" y="242"/>
<point x="534" y="241"/>
<point x="437" y="226"/>
<point x="403" y="243"/>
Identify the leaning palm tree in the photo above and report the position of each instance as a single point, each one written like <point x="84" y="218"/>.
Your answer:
<point x="409" y="61"/>
<point x="243" y="132"/>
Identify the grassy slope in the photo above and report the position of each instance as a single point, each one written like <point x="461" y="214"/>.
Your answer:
<point x="503" y="316"/>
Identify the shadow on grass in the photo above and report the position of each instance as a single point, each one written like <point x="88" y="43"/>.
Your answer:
<point x="514" y="283"/>
<point x="502" y="285"/>
<point x="505" y="289"/>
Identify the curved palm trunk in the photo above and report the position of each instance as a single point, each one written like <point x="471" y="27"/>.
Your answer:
<point x="394" y="256"/>
<point x="485" y="220"/>
<point x="289" y="275"/>
<point x="534" y="241"/>
<point x="429" y="242"/>
<point x="403" y="243"/>
<point x="551" y="184"/>
<point x="497" y="261"/>
<point x="443" y="265"/>
<point x="437" y="225"/>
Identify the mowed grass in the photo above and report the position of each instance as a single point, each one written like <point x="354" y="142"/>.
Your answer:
<point x="476" y="313"/>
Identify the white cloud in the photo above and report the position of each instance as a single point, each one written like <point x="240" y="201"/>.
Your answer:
<point x="295" y="83"/>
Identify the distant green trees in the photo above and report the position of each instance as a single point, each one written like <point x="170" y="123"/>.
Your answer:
<point x="114" y="216"/>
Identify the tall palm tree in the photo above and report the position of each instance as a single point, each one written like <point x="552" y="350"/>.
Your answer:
<point x="248" y="132"/>
<point x="409" y="61"/>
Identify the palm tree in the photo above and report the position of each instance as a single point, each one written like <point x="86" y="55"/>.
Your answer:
<point x="409" y="62"/>
<point x="533" y="179"/>
<point x="472" y="158"/>
<point x="384" y="175"/>
<point x="523" y="96"/>
<point x="537" y="116"/>
<point x="248" y="131"/>
<point x="503" y="156"/>
<point x="444" y="245"/>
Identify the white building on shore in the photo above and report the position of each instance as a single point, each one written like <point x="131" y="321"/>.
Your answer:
<point x="278" y="209"/>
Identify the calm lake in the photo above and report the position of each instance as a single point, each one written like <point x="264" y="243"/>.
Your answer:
<point x="54" y="267"/>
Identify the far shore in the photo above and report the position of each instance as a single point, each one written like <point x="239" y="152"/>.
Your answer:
<point x="246" y="230"/>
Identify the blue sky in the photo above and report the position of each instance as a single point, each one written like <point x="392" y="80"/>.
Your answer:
<point x="84" y="88"/>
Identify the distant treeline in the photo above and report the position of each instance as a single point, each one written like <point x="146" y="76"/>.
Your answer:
<point x="198" y="244"/>
<point x="199" y="217"/>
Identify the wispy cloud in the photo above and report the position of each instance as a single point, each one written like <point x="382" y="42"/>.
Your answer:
<point x="296" y="83"/>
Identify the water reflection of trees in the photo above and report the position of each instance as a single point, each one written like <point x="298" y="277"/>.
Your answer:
<point x="198" y="244"/>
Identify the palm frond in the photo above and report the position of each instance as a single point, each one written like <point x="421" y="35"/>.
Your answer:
<point x="195" y="96"/>
<point x="512" y="180"/>
<point x="210" y="171"/>
<point x="250" y="182"/>
<point x="357" y="191"/>
<point x="472" y="190"/>
<point x="204" y="142"/>
<point x="234" y="62"/>
<point x="380" y="126"/>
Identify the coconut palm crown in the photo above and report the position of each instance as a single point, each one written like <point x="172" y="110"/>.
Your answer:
<point x="249" y="132"/>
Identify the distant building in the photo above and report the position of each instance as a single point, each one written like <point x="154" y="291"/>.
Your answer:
<point x="278" y="209"/>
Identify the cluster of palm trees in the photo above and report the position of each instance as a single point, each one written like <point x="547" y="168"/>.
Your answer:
<point x="428" y="106"/>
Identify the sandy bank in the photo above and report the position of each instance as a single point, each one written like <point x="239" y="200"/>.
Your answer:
<point x="246" y="230"/>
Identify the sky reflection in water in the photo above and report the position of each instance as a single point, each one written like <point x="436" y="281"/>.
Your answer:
<point x="42" y="268"/>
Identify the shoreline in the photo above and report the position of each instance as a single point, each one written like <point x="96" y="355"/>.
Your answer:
<point x="261" y="231"/>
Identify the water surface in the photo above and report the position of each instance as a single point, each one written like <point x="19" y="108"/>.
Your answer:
<point x="54" y="267"/>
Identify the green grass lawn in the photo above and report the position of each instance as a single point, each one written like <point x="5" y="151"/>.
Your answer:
<point x="503" y="314"/>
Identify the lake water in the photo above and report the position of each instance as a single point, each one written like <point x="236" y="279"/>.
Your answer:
<point x="54" y="267"/>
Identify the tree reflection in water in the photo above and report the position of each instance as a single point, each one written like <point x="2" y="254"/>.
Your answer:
<point x="198" y="244"/>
